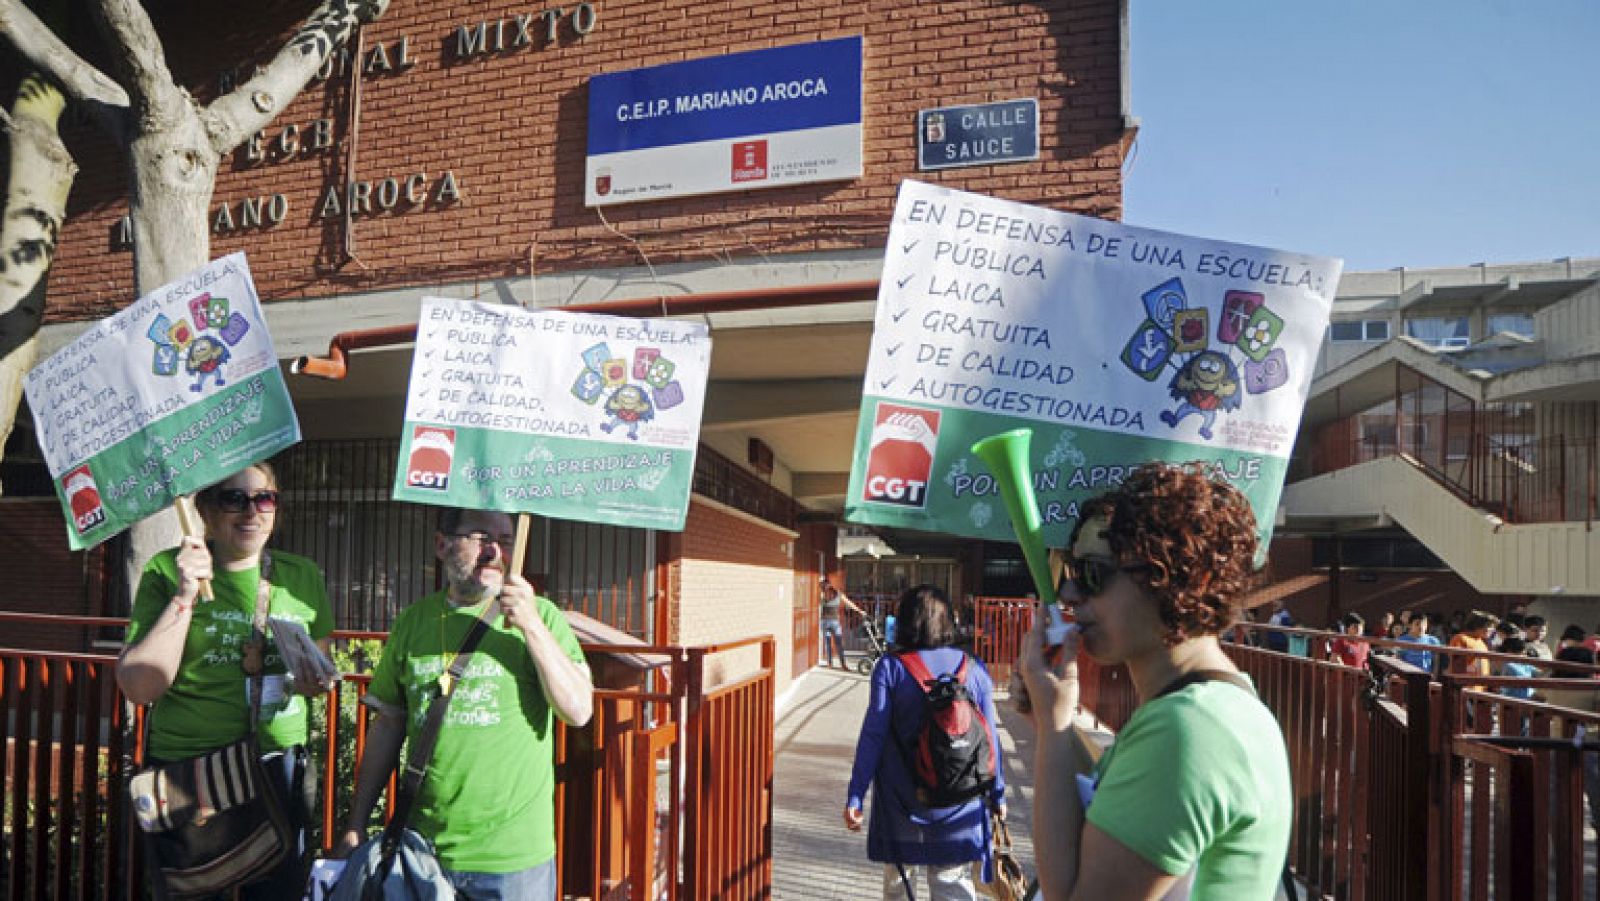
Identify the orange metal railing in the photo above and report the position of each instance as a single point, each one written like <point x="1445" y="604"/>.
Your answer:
<point x="666" y="794"/>
<point x="1409" y="785"/>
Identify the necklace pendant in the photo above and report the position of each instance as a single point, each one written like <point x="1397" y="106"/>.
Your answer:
<point x="252" y="661"/>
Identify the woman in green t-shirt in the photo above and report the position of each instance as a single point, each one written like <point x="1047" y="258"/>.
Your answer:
<point x="184" y="655"/>
<point x="1196" y="786"/>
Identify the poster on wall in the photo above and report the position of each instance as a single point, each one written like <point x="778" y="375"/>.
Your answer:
<point x="1116" y="345"/>
<point x="177" y="391"/>
<point x="757" y="119"/>
<point x="567" y="415"/>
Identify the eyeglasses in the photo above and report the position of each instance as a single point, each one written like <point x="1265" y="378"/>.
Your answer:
<point x="233" y="500"/>
<point x="1091" y="576"/>
<point x="480" y="538"/>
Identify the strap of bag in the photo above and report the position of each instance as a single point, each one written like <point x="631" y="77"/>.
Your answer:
<point x="255" y="653"/>
<point x="427" y="739"/>
<point x="1205" y="675"/>
<point x="919" y="671"/>
<point x="256" y="647"/>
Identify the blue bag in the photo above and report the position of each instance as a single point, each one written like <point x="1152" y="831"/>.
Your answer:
<point x="415" y="874"/>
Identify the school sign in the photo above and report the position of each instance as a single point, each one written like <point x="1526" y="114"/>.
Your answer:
<point x="757" y="119"/>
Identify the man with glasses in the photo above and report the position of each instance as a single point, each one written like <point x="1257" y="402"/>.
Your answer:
<point x="1196" y="786"/>
<point x="487" y="802"/>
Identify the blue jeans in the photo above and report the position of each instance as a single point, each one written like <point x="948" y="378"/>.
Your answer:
<point x="833" y="642"/>
<point x="533" y="884"/>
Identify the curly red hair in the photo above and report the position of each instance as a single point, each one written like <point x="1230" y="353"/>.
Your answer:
<point x="1195" y="533"/>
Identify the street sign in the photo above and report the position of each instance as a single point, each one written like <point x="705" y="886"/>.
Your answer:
<point x="981" y="135"/>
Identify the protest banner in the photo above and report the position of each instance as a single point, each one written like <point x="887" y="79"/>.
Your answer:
<point x="1116" y="345"/>
<point x="177" y="391"/>
<point x="568" y="415"/>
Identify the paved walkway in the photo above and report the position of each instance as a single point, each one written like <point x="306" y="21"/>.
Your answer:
<point x="814" y="857"/>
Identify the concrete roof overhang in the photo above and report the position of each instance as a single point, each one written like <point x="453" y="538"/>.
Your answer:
<point x="1563" y="381"/>
<point x="790" y="378"/>
<point x="1369" y="380"/>
<point x="1511" y="294"/>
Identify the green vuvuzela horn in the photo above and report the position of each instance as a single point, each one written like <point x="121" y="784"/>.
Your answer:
<point x="1006" y="455"/>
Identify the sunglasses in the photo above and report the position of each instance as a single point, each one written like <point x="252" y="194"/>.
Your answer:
<point x="481" y="538"/>
<point x="233" y="500"/>
<point x="1090" y="576"/>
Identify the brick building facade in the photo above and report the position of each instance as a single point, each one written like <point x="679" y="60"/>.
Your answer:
<point x="454" y="165"/>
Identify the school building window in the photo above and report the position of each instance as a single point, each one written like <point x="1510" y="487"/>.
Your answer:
<point x="1359" y="330"/>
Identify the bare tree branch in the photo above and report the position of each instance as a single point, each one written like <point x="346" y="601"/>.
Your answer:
<point x="141" y="63"/>
<point x="247" y="109"/>
<point x="50" y="55"/>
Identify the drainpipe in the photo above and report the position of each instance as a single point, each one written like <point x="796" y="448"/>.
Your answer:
<point x="335" y="365"/>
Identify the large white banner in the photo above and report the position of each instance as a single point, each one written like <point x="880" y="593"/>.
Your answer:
<point x="1117" y="345"/>
<point x="178" y="390"/>
<point x="570" y="415"/>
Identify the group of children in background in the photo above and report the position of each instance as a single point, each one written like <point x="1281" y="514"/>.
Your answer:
<point x="1519" y="633"/>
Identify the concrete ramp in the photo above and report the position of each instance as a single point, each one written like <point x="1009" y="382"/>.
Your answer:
<point x="1495" y="557"/>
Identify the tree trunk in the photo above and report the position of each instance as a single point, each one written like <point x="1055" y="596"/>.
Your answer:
<point x="36" y="203"/>
<point x="173" y="175"/>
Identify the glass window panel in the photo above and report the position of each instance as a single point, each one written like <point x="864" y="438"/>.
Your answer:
<point x="1346" y="331"/>
<point x="1515" y="323"/>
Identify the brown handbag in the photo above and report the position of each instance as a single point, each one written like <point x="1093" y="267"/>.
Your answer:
<point x="1010" y="883"/>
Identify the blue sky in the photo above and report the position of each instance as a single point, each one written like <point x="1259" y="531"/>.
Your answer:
<point x="1411" y="133"/>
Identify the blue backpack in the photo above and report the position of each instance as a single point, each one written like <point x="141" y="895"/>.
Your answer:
<point x="415" y="874"/>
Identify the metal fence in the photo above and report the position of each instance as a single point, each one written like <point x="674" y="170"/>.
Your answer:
<point x="1409" y="786"/>
<point x="666" y="794"/>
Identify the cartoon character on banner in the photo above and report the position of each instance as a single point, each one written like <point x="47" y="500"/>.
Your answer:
<point x="206" y="356"/>
<point x="202" y="347"/>
<point x="628" y="395"/>
<point x="1207" y="378"/>
<point x="628" y="406"/>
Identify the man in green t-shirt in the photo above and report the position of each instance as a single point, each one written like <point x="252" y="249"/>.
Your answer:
<point x="487" y="802"/>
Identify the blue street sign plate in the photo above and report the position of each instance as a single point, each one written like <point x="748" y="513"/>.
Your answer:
<point x="980" y="135"/>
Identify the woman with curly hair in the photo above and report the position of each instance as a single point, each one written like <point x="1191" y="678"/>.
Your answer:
<point x="1196" y="787"/>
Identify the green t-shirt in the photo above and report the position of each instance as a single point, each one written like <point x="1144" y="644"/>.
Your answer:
<point x="488" y="802"/>
<point x="208" y="705"/>
<point x="1199" y="780"/>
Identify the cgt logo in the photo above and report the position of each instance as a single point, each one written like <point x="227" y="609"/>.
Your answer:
<point x="900" y="459"/>
<point x="83" y="498"/>
<point x="432" y="451"/>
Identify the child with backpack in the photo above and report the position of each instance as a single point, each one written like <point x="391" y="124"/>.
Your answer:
<point x="930" y="752"/>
